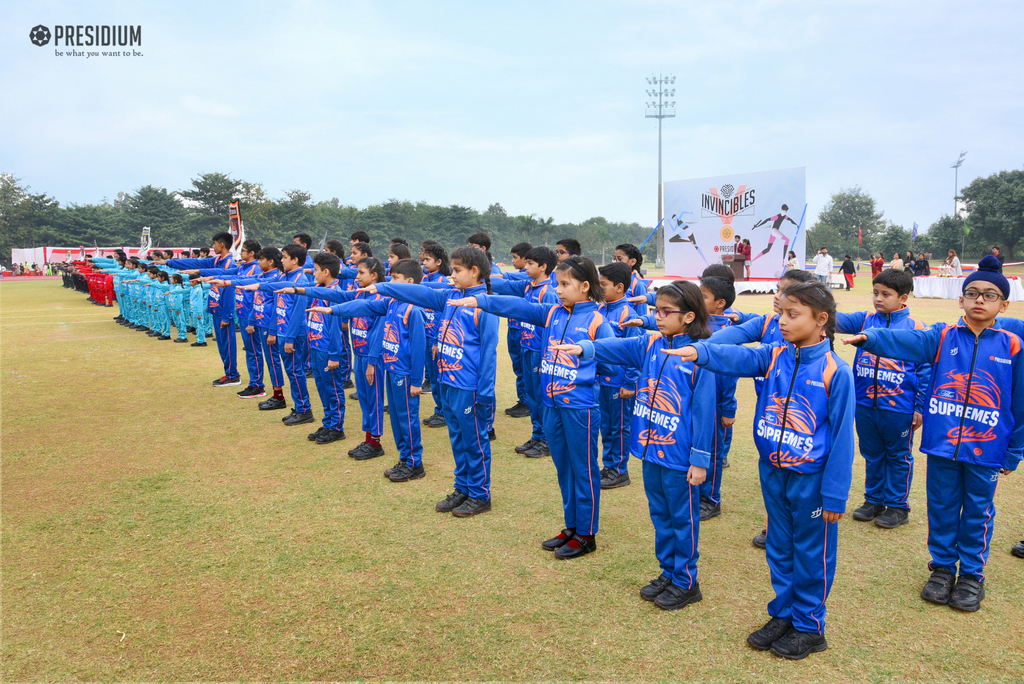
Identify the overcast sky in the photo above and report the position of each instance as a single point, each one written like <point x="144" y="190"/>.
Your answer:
<point x="537" y="105"/>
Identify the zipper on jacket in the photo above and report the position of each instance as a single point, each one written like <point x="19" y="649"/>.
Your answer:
<point x="970" y="379"/>
<point x="878" y="359"/>
<point x="785" y="411"/>
<point x="564" y="331"/>
<point x="650" y="414"/>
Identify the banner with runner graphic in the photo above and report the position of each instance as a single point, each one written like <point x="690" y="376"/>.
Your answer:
<point x="703" y="217"/>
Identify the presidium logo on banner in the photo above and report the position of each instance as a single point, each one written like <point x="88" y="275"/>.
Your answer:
<point x="95" y="36"/>
<point x="726" y="203"/>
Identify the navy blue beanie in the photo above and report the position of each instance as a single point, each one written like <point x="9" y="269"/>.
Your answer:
<point x="989" y="270"/>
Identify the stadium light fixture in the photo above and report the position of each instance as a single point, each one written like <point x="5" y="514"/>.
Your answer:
<point x="661" y="110"/>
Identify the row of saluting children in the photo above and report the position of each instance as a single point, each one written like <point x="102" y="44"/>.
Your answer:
<point x="588" y="367"/>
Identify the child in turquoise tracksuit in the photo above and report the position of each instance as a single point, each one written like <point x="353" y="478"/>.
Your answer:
<point x="198" y="298"/>
<point x="177" y="296"/>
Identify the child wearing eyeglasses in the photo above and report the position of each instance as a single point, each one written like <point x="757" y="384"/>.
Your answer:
<point x="973" y="428"/>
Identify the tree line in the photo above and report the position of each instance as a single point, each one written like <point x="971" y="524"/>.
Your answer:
<point x="188" y="217"/>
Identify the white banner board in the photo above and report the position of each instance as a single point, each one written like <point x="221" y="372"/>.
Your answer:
<point x="703" y="216"/>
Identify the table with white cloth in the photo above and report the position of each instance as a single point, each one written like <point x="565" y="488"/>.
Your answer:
<point x="952" y="288"/>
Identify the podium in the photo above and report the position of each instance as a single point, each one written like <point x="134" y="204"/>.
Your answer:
<point x="735" y="262"/>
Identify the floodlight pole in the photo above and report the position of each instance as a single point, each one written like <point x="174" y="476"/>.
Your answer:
<point x="956" y="191"/>
<point x="661" y="110"/>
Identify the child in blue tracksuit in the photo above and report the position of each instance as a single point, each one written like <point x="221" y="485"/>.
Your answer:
<point x="618" y="383"/>
<point x="672" y="432"/>
<point x="631" y="256"/>
<point x="536" y="289"/>
<point x="435" y="270"/>
<point x="261" y="322"/>
<point x="221" y="306"/>
<point x="804" y="434"/>
<point x="973" y="428"/>
<point x="402" y="345"/>
<point x="290" y="331"/>
<point x="467" y="356"/>
<point x="890" y="401"/>
<point x="514" y="339"/>
<point x="570" y="393"/>
<point x="719" y="294"/>
<point x="247" y="270"/>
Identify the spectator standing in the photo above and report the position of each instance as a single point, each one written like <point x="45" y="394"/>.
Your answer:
<point x="823" y="265"/>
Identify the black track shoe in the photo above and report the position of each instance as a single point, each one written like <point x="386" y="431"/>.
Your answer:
<point x="576" y="547"/>
<point x="354" y="396"/>
<point x="164" y="337"/>
<point x="868" y="512"/>
<point x="404" y="473"/>
<point x="613" y="480"/>
<point x="674" y="598"/>
<point x="725" y="463"/>
<point x="773" y="630"/>
<point x="357" y="449"/>
<point x="251" y="392"/>
<point x="892" y="518"/>
<point x="426" y="387"/>
<point x="520" y="410"/>
<point x="299" y="419"/>
<point x="309" y="374"/>
<point x="655" y="587"/>
<point x="292" y="413"/>
<point x="152" y="333"/>
<point x="225" y="381"/>
<point x="709" y="510"/>
<point x="435" y="421"/>
<point x="760" y="539"/>
<point x="527" y="445"/>
<point x="349" y="384"/>
<point x="938" y="587"/>
<point x="181" y="340"/>
<point x="471" y="507"/>
<point x="1018" y="550"/>
<point x="492" y="435"/>
<point x="272" y="404"/>
<point x="313" y="435"/>
<point x="539" y="450"/>
<point x="557" y="542"/>
<point x="798" y="645"/>
<point x="967" y="594"/>
<point x="198" y="344"/>
<point x="369" y="452"/>
<point x="387" y="473"/>
<point x="451" y="502"/>
<point x="328" y="435"/>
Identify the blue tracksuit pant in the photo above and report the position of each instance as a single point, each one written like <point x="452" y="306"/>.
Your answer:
<point x="572" y="438"/>
<point x="404" y="410"/>
<point x="961" y="515"/>
<point x="227" y="346"/>
<point x="616" y="417"/>
<point x="534" y="389"/>
<point x="675" y="512"/>
<point x="345" y="363"/>
<point x="295" y="369"/>
<point x="371" y="397"/>
<point x="801" y="549"/>
<point x="711" y="487"/>
<point x="201" y="326"/>
<point x="330" y="387"/>
<point x="471" y="449"/>
<point x="515" y="352"/>
<point x="253" y="356"/>
<point x="885" y="440"/>
<point x="272" y="355"/>
<point x="432" y="372"/>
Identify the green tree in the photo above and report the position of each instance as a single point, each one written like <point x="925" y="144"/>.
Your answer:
<point x="163" y="213"/>
<point x="893" y="239"/>
<point x="995" y="207"/>
<point x="208" y="202"/>
<point x="844" y="212"/>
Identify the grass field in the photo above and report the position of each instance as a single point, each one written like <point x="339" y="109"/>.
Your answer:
<point x="157" y="528"/>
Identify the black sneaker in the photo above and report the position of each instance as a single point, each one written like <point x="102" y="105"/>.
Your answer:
<point x="725" y="463"/>
<point x="328" y="435"/>
<point x="272" y="404"/>
<point x="299" y="419"/>
<point x="613" y="480"/>
<point x="967" y="594"/>
<point x="892" y="518"/>
<point x="796" y="645"/>
<point x="527" y="445"/>
<point x="451" y="502"/>
<point x="348" y="384"/>
<point x="520" y="410"/>
<point x="760" y="539"/>
<point x="369" y="452"/>
<point x="387" y="473"/>
<point x="198" y="344"/>
<point x="674" y="598"/>
<point x="404" y="473"/>
<point x="191" y="330"/>
<point x="656" y="586"/>
<point x="539" y="450"/>
<point x="164" y="337"/>
<point x="435" y="421"/>
<point x="576" y="547"/>
<point x="313" y="435"/>
<point x="471" y="507"/>
<point x="181" y="339"/>
<point x="868" y="512"/>
<point x="709" y="510"/>
<point x="358" y="448"/>
<point x="1018" y="550"/>
<point x="152" y="333"/>
<point x="773" y="630"/>
<point x="292" y="413"/>
<point x="558" y="541"/>
<point x="309" y="374"/>
<point x="251" y="392"/>
<point x="492" y="435"/>
<point x="225" y="381"/>
<point x="938" y="587"/>
<point x="354" y="396"/>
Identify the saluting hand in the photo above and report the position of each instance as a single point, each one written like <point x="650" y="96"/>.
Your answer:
<point x="571" y="349"/>
<point x="856" y="339"/>
<point x="687" y="353"/>
<point x="632" y="323"/>
<point x="252" y="287"/>
<point x="468" y="302"/>
<point x="319" y="309"/>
